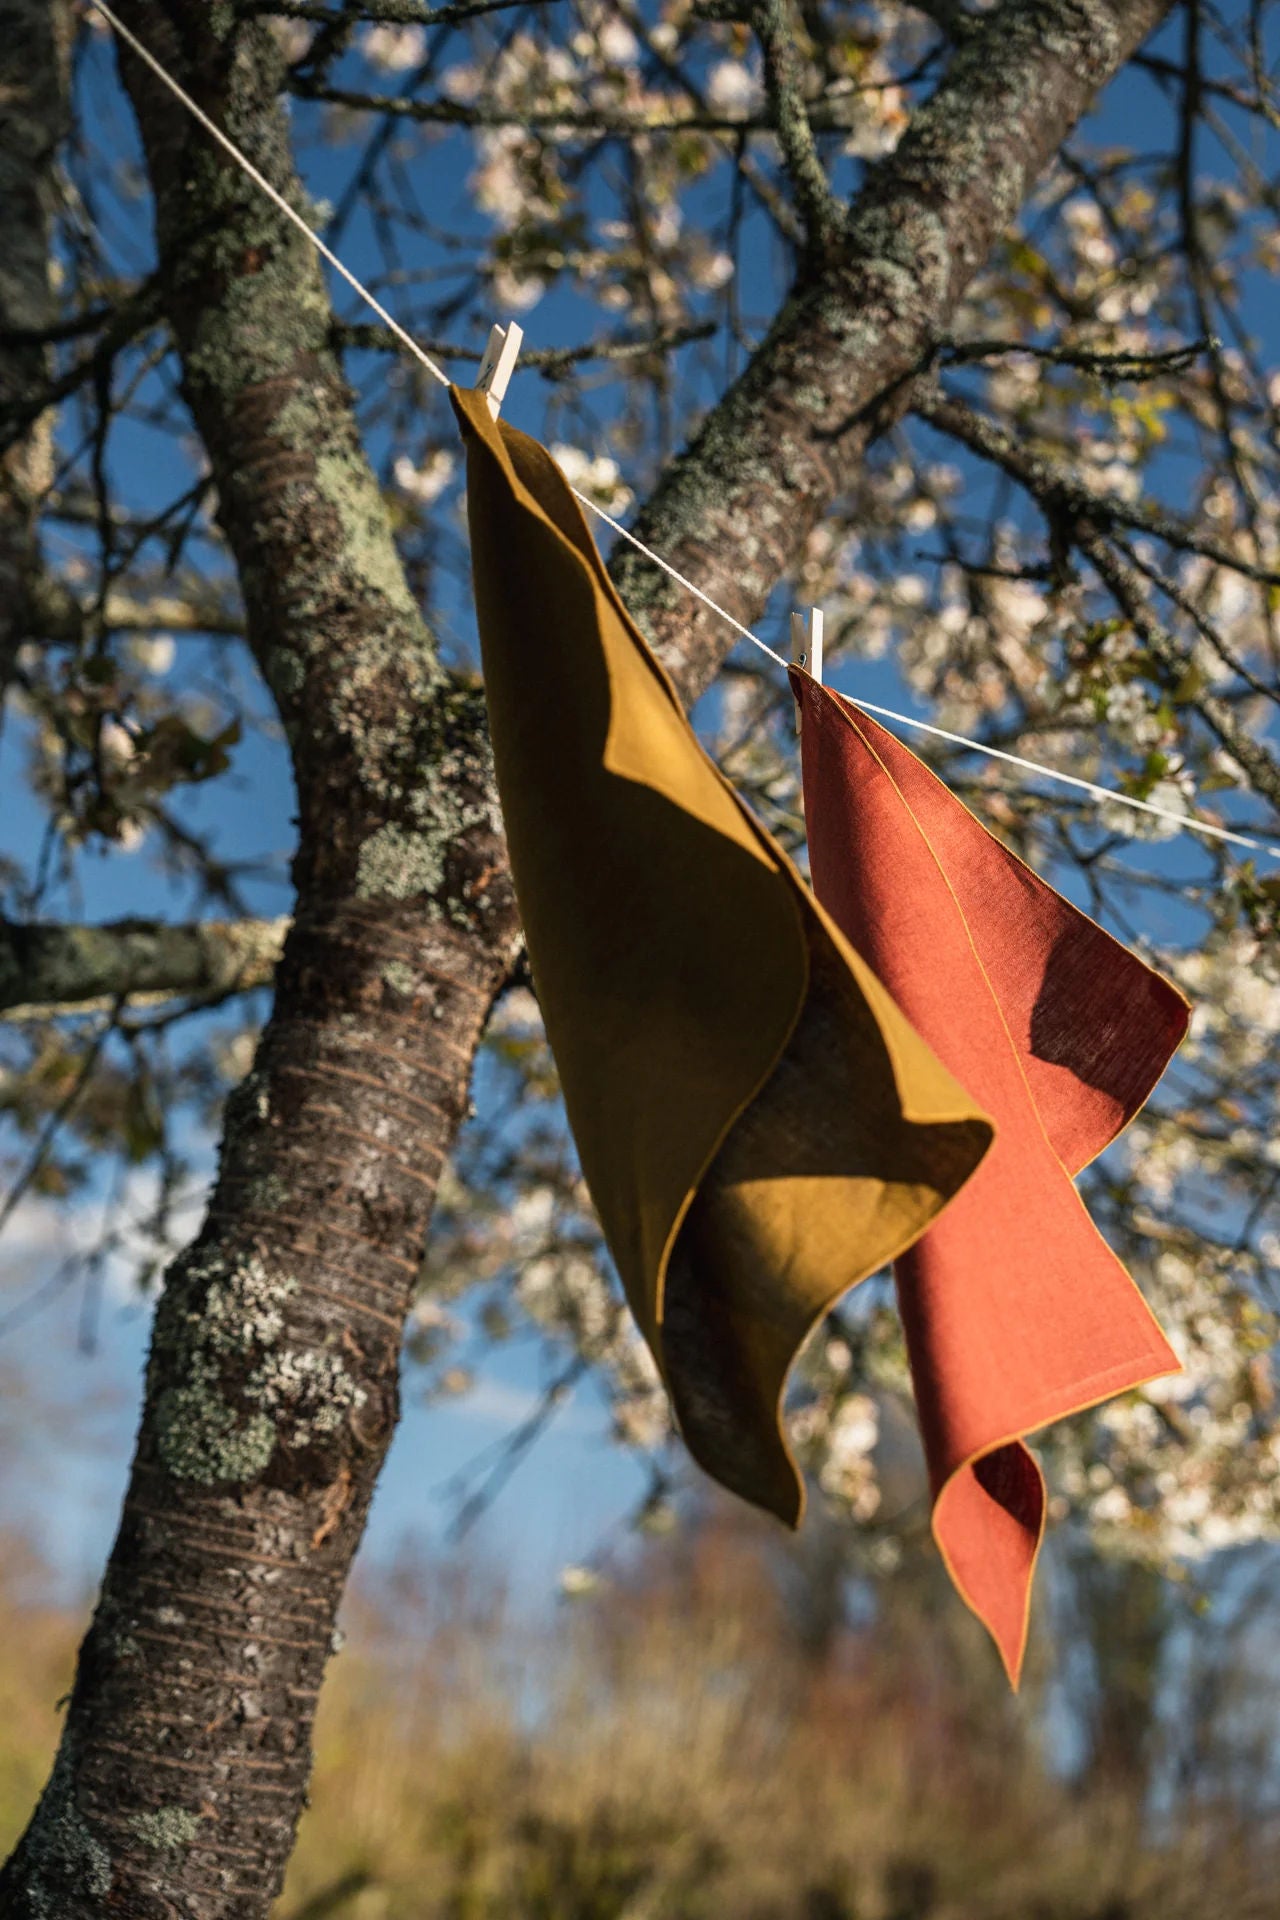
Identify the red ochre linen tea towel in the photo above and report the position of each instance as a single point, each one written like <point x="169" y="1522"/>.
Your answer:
<point x="1016" y="1311"/>
<point x="758" y="1125"/>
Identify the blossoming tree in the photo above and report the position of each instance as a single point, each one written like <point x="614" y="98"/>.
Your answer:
<point x="852" y="306"/>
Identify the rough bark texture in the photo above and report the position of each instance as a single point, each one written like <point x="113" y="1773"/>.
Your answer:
<point x="272" y="1388"/>
<point x="34" y="40"/>
<point x="75" y="969"/>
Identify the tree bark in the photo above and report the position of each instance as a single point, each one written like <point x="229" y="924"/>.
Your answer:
<point x="272" y="1385"/>
<point x="34" y="46"/>
<point x="48" y="969"/>
<point x="271" y="1389"/>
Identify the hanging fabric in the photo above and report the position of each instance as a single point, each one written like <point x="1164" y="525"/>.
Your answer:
<point x="758" y="1125"/>
<point x="1015" y="1309"/>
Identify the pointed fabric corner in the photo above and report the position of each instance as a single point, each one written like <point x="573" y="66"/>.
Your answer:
<point x="1015" y="1309"/>
<point x="758" y="1125"/>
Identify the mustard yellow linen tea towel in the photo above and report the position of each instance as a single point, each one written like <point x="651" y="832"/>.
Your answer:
<point x="759" y="1126"/>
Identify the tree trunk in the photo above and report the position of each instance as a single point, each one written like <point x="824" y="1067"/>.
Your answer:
<point x="271" y="1391"/>
<point x="34" y="44"/>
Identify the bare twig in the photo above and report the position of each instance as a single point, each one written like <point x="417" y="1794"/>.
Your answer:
<point x="132" y="318"/>
<point x="1066" y="503"/>
<point x="551" y="362"/>
<point x="831" y="115"/>
<point x="404" y="13"/>
<point x="61" y="1113"/>
<point x="1108" y="365"/>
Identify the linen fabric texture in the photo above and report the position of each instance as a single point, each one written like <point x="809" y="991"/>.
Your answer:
<point x="776" y="1091"/>
<point x="758" y="1125"/>
<point x="1015" y="1309"/>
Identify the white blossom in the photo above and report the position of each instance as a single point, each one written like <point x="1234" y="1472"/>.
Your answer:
<point x="596" y="475"/>
<point x="394" y="49"/>
<point x="116" y="744"/>
<point x="428" y="481"/>
<point x="153" y="652"/>
<point x="732" y="88"/>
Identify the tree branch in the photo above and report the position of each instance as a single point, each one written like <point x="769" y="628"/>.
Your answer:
<point x="1125" y="584"/>
<point x="48" y="970"/>
<point x="1109" y="364"/>
<point x="407" y="13"/>
<point x="1071" y="505"/>
<point x="1050" y="479"/>
<point x="551" y="362"/>
<point x="835" y="114"/>
<point x="734" y="511"/>
<point x="134" y="316"/>
<point x="820" y="211"/>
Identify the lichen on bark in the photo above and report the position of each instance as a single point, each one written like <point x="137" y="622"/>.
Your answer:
<point x="217" y="1323"/>
<point x="229" y="1384"/>
<point x="165" y="1829"/>
<point x="67" y="1861"/>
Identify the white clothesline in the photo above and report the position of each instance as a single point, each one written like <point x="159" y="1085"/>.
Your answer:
<point x="1184" y="822"/>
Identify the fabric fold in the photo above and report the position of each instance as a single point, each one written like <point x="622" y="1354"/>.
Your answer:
<point x="1016" y="1311"/>
<point x="758" y="1125"/>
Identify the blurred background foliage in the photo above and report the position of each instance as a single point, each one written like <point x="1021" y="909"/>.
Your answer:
<point x="705" y="1734"/>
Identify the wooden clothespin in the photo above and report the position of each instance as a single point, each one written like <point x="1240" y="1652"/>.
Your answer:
<point x="499" y="363"/>
<point x="806" y="641"/>
<point x="806" y="644"/>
